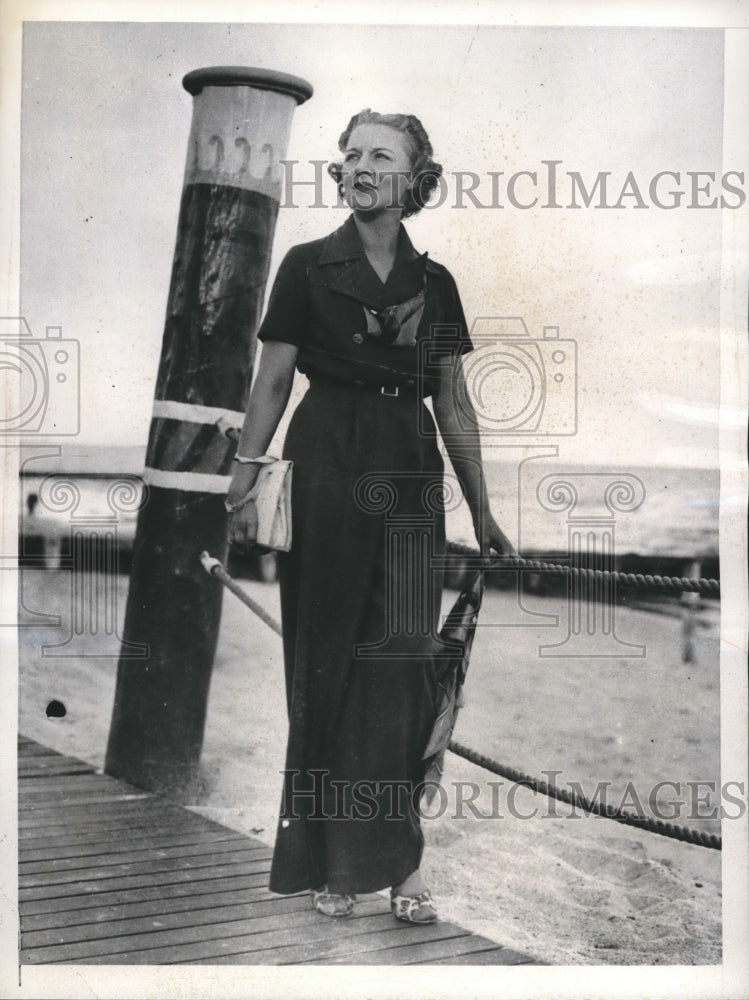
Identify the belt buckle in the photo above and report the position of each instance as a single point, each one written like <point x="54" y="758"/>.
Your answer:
<point x="389" y="392"/>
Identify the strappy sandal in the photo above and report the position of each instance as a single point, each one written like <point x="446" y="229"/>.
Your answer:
<point x="332" y="904"/>
<point x="418" y="909"/>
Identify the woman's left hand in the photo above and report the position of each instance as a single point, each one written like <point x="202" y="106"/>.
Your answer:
<point x="491" y="538"/>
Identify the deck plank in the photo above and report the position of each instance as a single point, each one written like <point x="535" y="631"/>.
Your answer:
<point x="465" y="948"/>
<point x="325" y="947"/>
<point x="201" y="942"/>
<point x="103" y="872"/>
<point x="66" y="784"/>
<point x="285" y="946"/>
<point x="184" y="929"/>
<point x="49" y="848"/>
<point x="112" y="874"/>
<point x="240" y="880"/>
<point x="86" y="801"/>
<point x="28" y="748"/>
<point x="125" y="860"/>
<point x="124" y="815"/>
<point x="168" y="876"/>
<point x="39" y="767"/>
<point x="104" y="921"/>
<point x="494" y="956"/>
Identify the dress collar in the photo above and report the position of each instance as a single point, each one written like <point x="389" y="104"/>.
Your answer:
<point x="345" y="244"/>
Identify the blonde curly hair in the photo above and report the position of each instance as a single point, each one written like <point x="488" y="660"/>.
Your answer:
<point x="426" y="172"/>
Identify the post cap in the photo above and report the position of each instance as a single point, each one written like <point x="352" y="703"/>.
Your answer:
<point x="247" y="76"/>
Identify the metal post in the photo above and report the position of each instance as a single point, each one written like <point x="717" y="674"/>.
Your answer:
<point x="240" y="127"/>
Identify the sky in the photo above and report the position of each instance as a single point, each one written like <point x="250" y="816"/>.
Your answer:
<point x="105" y="123"/>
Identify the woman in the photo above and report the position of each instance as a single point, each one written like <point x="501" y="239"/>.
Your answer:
<point x="375" y="326"/>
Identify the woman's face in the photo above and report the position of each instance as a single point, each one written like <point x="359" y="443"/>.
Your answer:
<point x="376" y="170"/>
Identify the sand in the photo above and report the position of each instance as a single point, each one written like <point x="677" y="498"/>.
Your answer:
<point x="569" y="889"/>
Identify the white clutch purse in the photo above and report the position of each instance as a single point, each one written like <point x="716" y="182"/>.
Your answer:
<point x="271" y="493"/>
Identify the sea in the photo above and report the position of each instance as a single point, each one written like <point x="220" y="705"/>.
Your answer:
<point x="646" y="510"/>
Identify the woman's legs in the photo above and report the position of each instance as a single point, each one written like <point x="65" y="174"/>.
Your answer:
<point x="411" y="886"/>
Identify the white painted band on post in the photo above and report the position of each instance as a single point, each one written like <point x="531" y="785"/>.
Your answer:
<point x="238" y="137"/>
<point x="190" y="482"/>
<point x="193" y="413"/>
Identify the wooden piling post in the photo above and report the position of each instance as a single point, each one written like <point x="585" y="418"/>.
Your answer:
<point x="240" y="127"/>
<point x="690" y="605"/>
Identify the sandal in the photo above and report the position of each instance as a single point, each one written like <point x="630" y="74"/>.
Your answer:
<point x="418" y="909"/>
<point x="332" y="904"/>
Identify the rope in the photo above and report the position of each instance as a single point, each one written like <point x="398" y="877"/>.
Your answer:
<point x="699" y="586"/>
<point x="675" y="831"/>
<point x="214" y="568"/>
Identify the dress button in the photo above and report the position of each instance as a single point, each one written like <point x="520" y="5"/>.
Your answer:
<point x="357" y="338"/>
<point x="358" y="383"/>
<point x="410" y="382"/>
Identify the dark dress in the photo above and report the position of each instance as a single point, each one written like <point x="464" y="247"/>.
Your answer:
<point x="361" y="588"/>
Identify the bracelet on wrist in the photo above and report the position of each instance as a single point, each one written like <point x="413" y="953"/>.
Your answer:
<point x="260" y="460"/>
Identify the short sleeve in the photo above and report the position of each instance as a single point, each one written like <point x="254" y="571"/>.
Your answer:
<point x="448" y="334"/>
<point x="287" y="315"/>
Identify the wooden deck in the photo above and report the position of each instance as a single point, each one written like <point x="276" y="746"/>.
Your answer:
<point x="109" y="874"/>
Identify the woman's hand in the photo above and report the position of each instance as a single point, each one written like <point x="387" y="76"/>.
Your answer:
<point x="491" y="538"/>
<point x="243" y="526"/>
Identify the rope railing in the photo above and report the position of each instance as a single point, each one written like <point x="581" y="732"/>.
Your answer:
<point x="680" y="583"/>
<point x="673" y="830"/>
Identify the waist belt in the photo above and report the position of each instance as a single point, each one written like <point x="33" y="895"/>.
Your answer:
<point x="388" y="390"/>
<point x="409" y="390"/>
